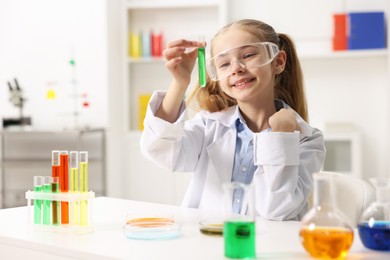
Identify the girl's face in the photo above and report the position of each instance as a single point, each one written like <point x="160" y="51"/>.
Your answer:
<point x="245" y="84"/>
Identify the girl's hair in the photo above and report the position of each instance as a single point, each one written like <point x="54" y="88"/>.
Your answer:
<point x="288" y="84"/>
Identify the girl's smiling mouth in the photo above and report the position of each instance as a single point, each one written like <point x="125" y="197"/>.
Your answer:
<point x="242" y="82"/>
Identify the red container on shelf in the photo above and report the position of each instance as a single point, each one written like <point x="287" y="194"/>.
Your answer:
<point x="340" y="36"/>
<point x="157" y="44"/>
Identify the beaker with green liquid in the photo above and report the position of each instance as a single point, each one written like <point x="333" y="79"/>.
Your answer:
<point x="239" y="221"/>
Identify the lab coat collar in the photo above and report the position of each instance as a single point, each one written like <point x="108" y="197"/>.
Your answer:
<point x="223" y="165"/>
<point x="226" y="117"/>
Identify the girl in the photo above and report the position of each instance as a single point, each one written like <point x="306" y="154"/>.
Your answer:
<point x="253" y="127"/>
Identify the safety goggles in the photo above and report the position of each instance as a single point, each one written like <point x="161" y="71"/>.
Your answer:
<point x="247" y="56"/>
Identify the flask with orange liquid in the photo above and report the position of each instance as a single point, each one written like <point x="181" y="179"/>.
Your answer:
<point x="325" y="231"/>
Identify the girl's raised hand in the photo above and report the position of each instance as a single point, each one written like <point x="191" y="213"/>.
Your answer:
<point x="180" y="61"/>
<point x="284" y="121"/>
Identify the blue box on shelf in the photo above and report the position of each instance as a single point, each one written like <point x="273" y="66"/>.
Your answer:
<point x="366" y="30"/>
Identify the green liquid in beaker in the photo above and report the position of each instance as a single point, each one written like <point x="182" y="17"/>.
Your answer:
<point x="239" y="239"/>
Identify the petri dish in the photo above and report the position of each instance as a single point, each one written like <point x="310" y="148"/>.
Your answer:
<point x="211" y="227"/>
<point x="151" y="228"/>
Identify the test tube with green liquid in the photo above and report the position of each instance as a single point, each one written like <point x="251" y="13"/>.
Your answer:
<point x="202" y="63"/>
<point x="83" y="187"/>
<point x="47" y="180"/>
<point x="38" y="203"/>
<point x="74" y="186"/>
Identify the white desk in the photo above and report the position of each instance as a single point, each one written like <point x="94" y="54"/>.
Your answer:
<point x="275" y="240"/>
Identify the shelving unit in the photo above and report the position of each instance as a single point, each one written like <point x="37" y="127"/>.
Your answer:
<point x="188" y="18"/>
<point x="144" y="75"/>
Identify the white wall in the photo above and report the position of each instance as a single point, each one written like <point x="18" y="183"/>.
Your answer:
<point x="37" y="40"/>
<point x="339" y="90"/>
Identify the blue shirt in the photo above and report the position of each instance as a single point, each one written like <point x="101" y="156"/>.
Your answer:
<point x="244" y="167"/>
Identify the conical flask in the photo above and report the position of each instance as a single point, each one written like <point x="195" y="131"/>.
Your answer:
<point x="325" y="231"/>
<point x="374" y="224"/>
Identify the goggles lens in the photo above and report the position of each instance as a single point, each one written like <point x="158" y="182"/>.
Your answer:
<point x="249" y="56"/>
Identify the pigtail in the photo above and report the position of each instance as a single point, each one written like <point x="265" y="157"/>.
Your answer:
<point x="210" y="97"/>
<point x="289" y="84"/>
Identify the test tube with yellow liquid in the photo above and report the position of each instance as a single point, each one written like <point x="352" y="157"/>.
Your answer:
<point x="74" y="186"/>
<point x="83" y="187"/>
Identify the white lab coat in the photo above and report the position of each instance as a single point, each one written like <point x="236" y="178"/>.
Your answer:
<point x="205" y="146"/>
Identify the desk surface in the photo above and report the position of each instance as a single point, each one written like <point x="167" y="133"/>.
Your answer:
<point x="274" y="240"/>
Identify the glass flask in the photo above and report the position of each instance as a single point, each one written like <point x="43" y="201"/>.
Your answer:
<point x="325" y="231"/>
<point x="374" y="224"/>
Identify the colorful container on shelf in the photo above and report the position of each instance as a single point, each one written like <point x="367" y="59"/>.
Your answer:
<point x="143" y="101"/>
<point x="340" y="37"/>
<point x="359" y="30"/>
<point x="146" y="44"/>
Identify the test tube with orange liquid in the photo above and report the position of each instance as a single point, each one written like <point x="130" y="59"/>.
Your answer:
<point x="64" y="185"/>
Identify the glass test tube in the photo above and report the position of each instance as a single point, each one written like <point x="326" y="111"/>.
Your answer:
<point x="47" y="180"/>
<point x="202" y="63"/>
<point x="64" y="185"/>
<point x="37" y="203"/>
<point x="55" y="204"/>
<point x="84" y="187"/>
<point x="55" y="173"/>
<point x="74" y="186"/>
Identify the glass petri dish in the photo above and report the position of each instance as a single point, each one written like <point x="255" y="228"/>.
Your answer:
<point x="151" y="228"/>
<point x="211" y="227"/>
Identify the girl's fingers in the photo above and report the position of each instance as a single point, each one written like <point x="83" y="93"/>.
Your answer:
<point x="184" y="43"/>
<point x="173" y="52"/>
<point x="170" y="64"/>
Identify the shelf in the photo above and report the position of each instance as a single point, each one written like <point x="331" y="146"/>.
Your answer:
<point x="154" y="4"/>
<point x="144" y="75"/>
<point x="371" y="53"/>
<point x="146" y="60"/>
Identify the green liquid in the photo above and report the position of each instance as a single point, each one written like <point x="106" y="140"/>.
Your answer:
<point x="239" y="239"/>
<point x="46" y="205"/>
<point x="38" y="207"/>
<point x="202" y="66"/>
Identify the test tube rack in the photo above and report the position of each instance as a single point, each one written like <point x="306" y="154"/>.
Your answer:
<point x="61" y="197"/>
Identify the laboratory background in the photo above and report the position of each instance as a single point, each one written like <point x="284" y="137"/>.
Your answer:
<point x="74" y="74"/>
